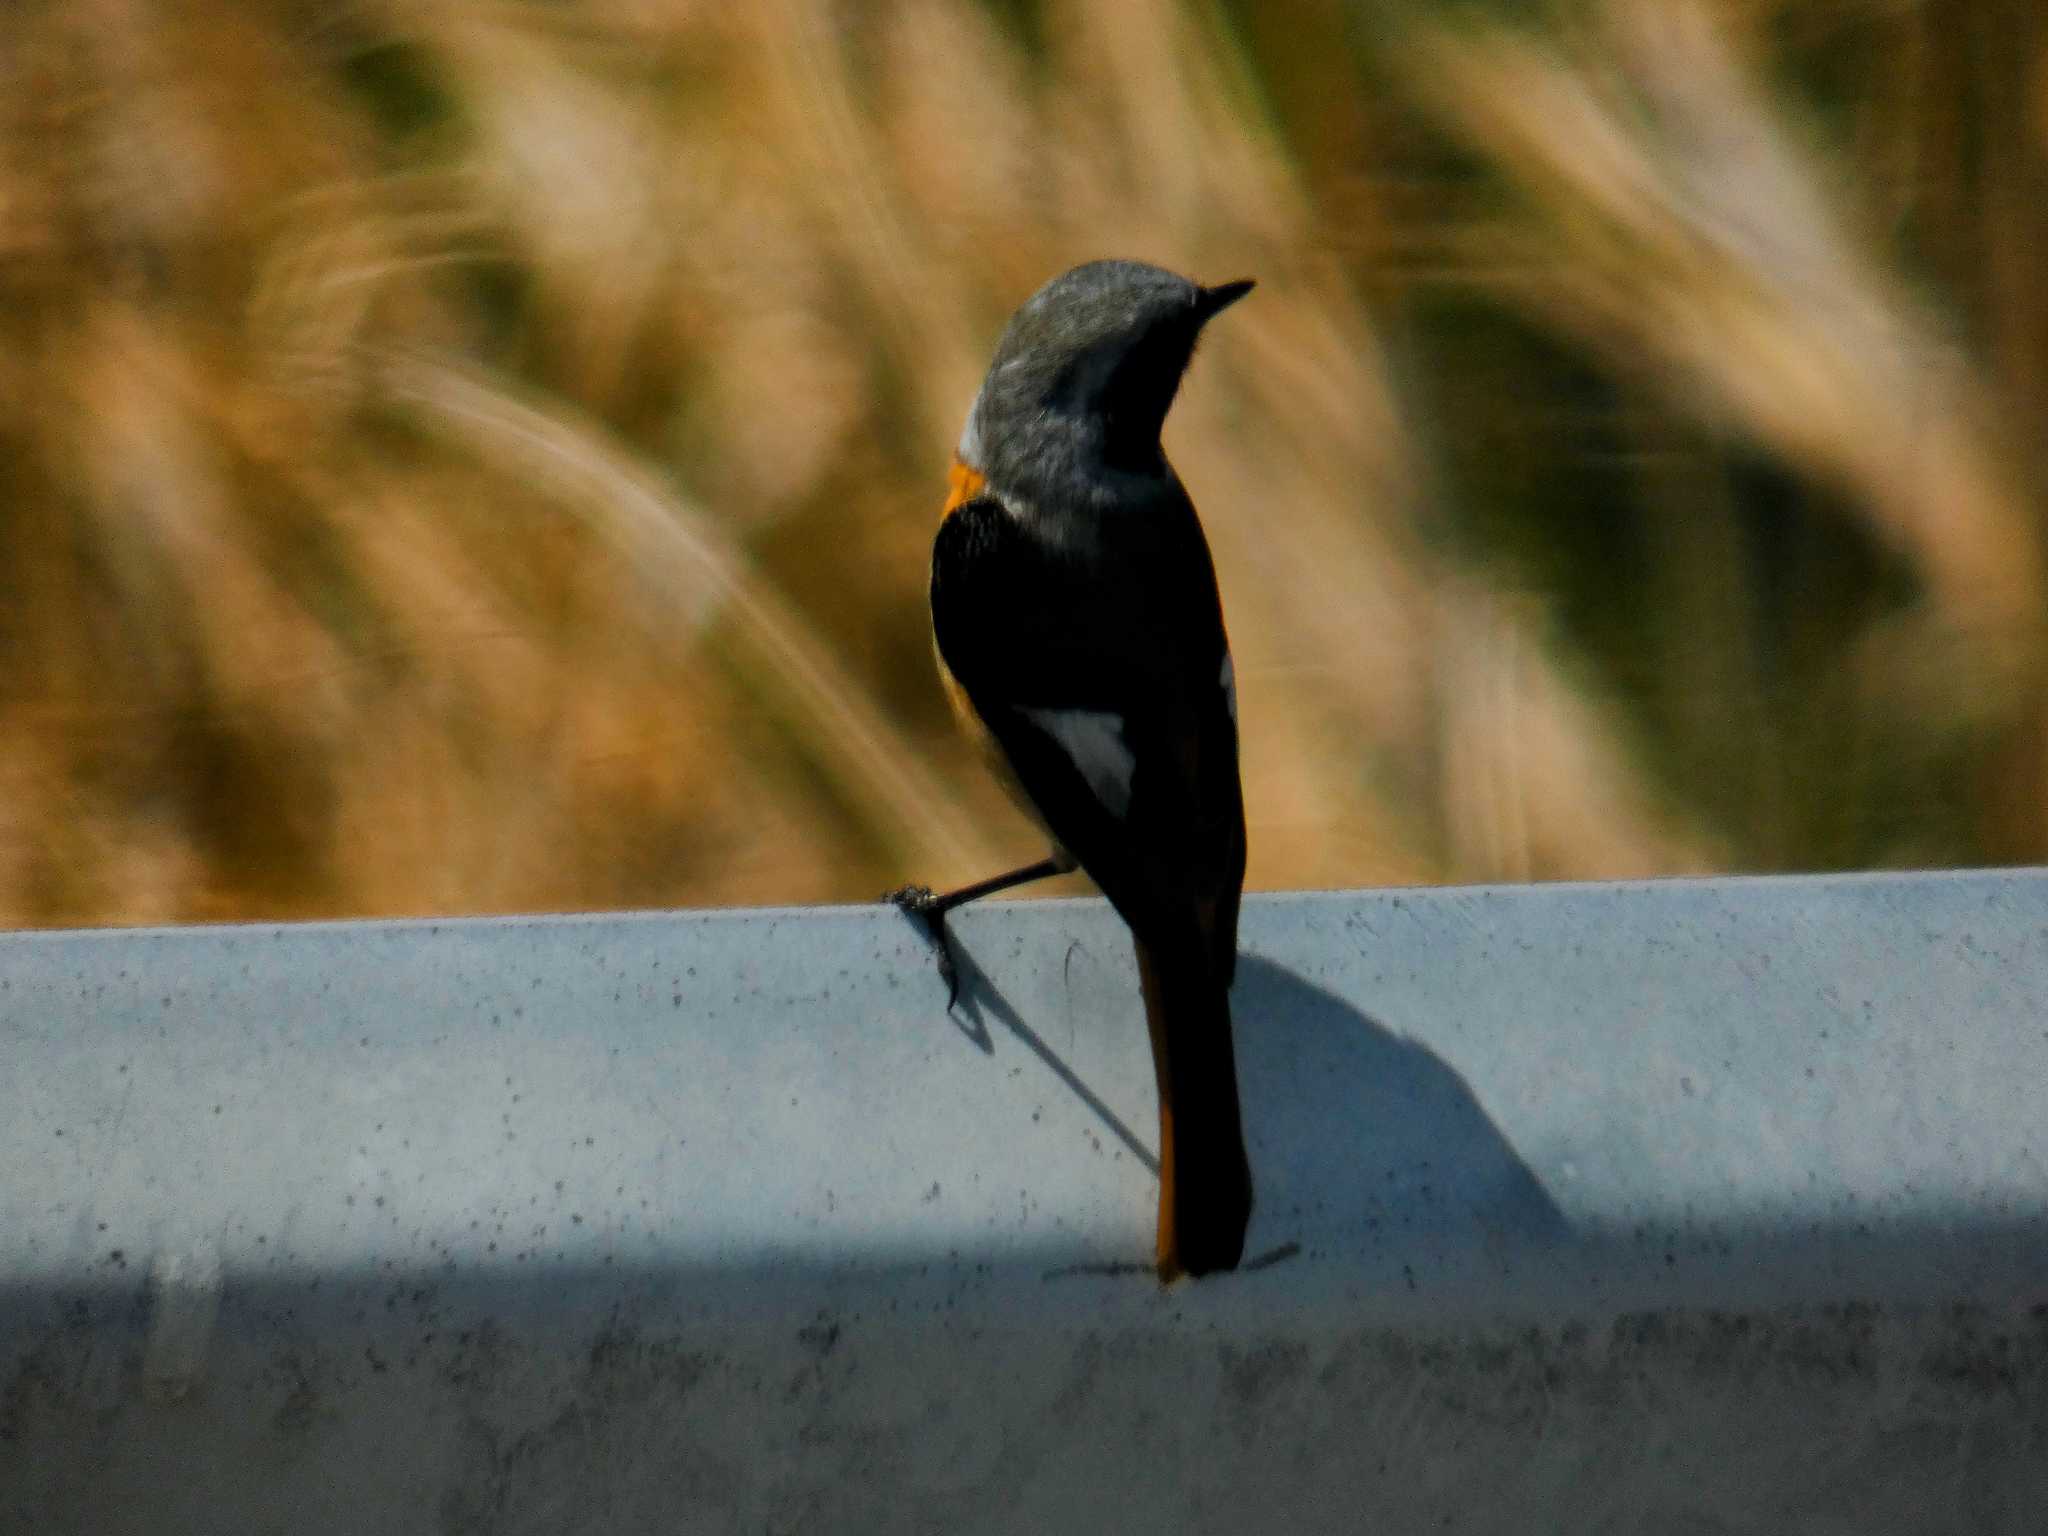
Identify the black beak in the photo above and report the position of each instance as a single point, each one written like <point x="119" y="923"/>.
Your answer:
<point x="1213" y="301"/>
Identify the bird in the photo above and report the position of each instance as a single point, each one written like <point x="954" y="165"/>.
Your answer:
<point x="1080" y="638"/>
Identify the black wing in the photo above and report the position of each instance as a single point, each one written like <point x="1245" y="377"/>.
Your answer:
<point x="1106" y="653"/>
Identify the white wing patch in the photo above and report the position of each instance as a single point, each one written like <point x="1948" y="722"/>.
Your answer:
<point x="1094" y="739"/>
<point x="1229" y="681"/>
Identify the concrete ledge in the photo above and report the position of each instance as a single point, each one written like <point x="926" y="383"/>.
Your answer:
<point x="1701" y="1206"/>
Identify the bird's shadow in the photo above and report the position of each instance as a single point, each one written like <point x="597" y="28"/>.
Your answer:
<point x="978" y="996"/>
<point x="1360" y="1138"/>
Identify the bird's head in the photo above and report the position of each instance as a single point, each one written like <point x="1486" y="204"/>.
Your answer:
<point x="1084" y="375"/>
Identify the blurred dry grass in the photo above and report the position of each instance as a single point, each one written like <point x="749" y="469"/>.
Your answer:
<point x="469" y="456"/>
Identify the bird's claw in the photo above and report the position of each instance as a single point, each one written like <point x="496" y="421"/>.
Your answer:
<point x="918" y="901"/>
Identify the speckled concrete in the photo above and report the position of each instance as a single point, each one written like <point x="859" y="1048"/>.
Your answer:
<point x="1691" y="1206"/>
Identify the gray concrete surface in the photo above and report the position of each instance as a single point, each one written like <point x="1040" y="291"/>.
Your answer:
<point x="1679" y="1207"/>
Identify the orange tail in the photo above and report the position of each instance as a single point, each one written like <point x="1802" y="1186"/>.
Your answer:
<point x="1205" y="1180"/>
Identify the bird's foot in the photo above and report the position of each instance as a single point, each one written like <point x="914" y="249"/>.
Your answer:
<point x="918" y="901"/>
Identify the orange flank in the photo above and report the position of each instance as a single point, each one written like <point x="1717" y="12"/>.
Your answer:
<point x="962" y="485"/>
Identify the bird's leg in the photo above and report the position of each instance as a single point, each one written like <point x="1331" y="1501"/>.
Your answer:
<point x="931" y="910"/>
<point x="919" y="898"/>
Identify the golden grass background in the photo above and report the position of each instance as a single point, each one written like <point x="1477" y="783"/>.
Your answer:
<point x="474" y="456"/>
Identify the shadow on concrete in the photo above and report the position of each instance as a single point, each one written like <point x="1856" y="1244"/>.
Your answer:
<point x="978" y="995"/>
<point x="1360" y="1136"/>
<point x="570" y="1399"/>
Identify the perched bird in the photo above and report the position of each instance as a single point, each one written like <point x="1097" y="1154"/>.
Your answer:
<point x="1080" y="635"/>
